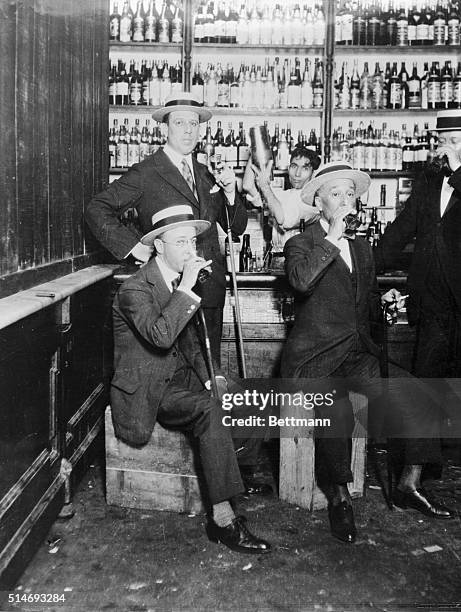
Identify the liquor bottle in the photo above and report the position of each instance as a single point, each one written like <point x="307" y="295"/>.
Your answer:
<point x="382" y="195"/>
<point x="243" y="31"/>
<point x="347" y="25"/>
<point x="220" y="25"/>
<point x="302" y="226"/>
<point x="165" y="83"/>
<point x="454" y="35"/>
<point x="355" y="88"/>
<point x="254" y="27"/>
<point x="245" y="254"/>
<point x="391" y="27"/>
<point x="433" y="88"/>
<point x="275" y="143"/>
<point x="365" y="88"/>
<point x="395" y="90"/>
<point x="211" y="88"/>
<point x="218" y="141"/>
<point x="234" y="91"/>
<point x="197" y="84"/>
<point x="235" y="253"/>
<point x="231" y="25"/>
<point x="440" y="24"/>
<point x="112" y="84"/>
<point x="133" y="145"/>
<point x="223" y="89"/>
<point x="231" y="147"/>
<point x="319" y="25"/>
<point x="114" y="23"/>
<point x="163" y="25"/>
<point x="457" y="88"/>
<point x="138" y="23"/>
<point x="377" y="86"/>
<point x="402" y="28"/>
<point x="243" y="148"/>
<point x="446" y="87"/>
<point x="177" y="26"/>
<point x="283" y="153"/>
<point x="294" y="87"/>
<point x="359" y="31"/>
<point x="414" y="89"/>
<point x="113" y="145"/>
<point x="317" y="86"/>
<point x="297" y="36"/>
<point x="308" y="30"/>
<point x="122" y="146"/>
<point x="407" y="151"/>
<point x="405" y="92"/>
<point x="150" y="23"/>
<point x="123" y="86"/>
<point x="413" y="19"/>
<point x="126" y="23"/>
<point x="199" y="23"/>
<point x="338" y="23"/>
<point x="344" y="93"/>
<point x="373" y="30"/>
<point x="144" y="145"/>
<point x="423" y="148"/>
<point x="208" y="148"/>
<point x="423" y="35"/>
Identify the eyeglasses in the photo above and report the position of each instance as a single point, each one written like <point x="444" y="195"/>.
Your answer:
<point x="183" y="242"/>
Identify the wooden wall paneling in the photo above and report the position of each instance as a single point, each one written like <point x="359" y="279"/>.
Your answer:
<point x="40" y="144"/>
<point x="55" y="128"/>
<point x="8" y="211"/>
<point x="101" y="76"/>
<point x="65" y="202"/>
<point x="26" y="178"/>
<point x="88" y="92"/>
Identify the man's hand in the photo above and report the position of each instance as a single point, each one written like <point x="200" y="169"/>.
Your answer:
<point x="452" y="155"/>
<point x="337" y="225"/>
<point x="190" y="272"/>
<point x="263" y="176"/>
<point x="392" y="301"/>
<point x="142" y="253"/>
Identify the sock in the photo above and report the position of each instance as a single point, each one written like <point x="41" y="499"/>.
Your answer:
<point x="223" y="514"/>
<point x="410" y="478"/>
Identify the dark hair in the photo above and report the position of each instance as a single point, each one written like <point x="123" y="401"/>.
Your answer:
<point x="303" y="151"/>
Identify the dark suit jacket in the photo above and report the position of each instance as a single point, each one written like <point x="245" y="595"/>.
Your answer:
<point x="421" y="219"/>
<point x="147" y="320"/>
<point x="152" y="185"/>
<point x="332" y="312"/>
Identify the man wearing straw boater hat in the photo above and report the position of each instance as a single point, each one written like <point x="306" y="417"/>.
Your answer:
<point x="334" y="279"/>
<point x="173" y="176"/>
<point x="432" y="216"/>
<point x="161" y="374"/>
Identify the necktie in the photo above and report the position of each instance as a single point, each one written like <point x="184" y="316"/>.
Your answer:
<point x="175" y="282"/>
<point x="187" y="174"/>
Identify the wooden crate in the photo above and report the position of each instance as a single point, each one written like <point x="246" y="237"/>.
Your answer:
<point x="297" y="467"/>
<point x="159" y="476"/>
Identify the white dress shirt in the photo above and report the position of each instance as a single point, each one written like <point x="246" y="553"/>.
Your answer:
<point x="342" y="244"/>
<point x="445" y="195"/>
<point x="169" y="275"/>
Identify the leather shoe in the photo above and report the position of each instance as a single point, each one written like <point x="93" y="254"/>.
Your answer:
<point x="421" y="501"/>
<point x="236" y="536"/>
<point x="342" y="522"/>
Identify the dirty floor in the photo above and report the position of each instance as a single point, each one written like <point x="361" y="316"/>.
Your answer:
<point x="117" y="559"/>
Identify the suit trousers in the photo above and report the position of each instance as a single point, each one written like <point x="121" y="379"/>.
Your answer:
<point x="402" y="409"/>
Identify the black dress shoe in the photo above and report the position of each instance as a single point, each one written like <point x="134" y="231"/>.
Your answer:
<point x="236" y="536"/>
<point x="421" y="501"/>
<point x="342" y="522"/>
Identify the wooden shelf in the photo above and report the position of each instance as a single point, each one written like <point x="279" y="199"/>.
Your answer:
<point x="384" y="49"/>
<point x="383" y="111"/>
<point x="123" y="46"/>
<point x="220" y="111"/>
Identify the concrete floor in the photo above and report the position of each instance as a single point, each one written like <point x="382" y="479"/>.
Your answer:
<point x="110" y="558"/>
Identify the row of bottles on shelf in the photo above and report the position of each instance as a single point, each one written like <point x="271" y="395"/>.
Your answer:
<point x="150" y="82"/>
<point x="130" y="145"/>
<point x="397" y="23"/>
<point x="374" y="149"/>
<point x="261" y="87"/>
<point x="147" y="25"/>
<point x="435" y="88"/>
<point x="260" y="23"/>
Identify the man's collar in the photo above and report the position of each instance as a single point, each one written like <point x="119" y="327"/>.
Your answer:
<point x="176" y="157"/>
<point x="169" y="275"/>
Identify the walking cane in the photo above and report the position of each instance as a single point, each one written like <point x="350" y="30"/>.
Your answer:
<point x="236" y="296"/>
<point x="206" y="337"/>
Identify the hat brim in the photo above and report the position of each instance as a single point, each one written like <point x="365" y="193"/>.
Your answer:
<point x="361" y="180"/>
<point x="199" y="224"/>
<point x="162" y="113"/>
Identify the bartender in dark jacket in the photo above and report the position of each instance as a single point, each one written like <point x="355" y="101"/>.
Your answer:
<point x="432" y="216"/>
<point x="173" y="176"/>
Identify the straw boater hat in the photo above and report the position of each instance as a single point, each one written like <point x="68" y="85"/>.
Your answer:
<point x="331" y="171"/>
<point x="182" y="101"/>
<point x="171" y="217"/>
<point x="448" y="120"/>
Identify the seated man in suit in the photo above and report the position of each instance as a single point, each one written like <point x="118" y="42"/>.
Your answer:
<point x="336" y="301"/>
<point x="161" y="373"/>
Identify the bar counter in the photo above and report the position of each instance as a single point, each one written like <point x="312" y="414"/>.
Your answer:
<point x="267" y="310"/>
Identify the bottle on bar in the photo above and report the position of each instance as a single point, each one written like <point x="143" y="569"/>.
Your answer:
<point x="245" y="254"/>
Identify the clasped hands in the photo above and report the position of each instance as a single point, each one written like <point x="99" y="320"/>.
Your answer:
<point x="392" y="301"/>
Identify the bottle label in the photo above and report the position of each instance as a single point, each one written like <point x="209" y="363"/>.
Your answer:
<point x="223" y="94"/>
<point x="402" y="33"/>
<point x="151" y="24"/>
<point x="317" y="100"/>
<point x="122" y="155"/>
<point x="395" y="94"/>
<point x="234" y="96"/>
<point x="112" y="156"/>
<point x="230" y="29"/>
<point x="407" y="156"/>
<point x="122" y="88"/>
<point x="454" y="37"/>
<point x="370" y="158"/>
<point x="346" y="28"/>
<point x="144" y="150"/>
<point x="135" y="93"/>
<point x="422" y="155"/>
<point x="138" y="29"/>
<point x="422" y="31"/>
<point x="176" y="31"/>
<point x="294" y="97"/>
<point x="163" y="31"/>
<point x="439" y="33"/>
<point x="114" y="28"/>
<point x="355" y="98"/>
<point x="243" y="154"/>
<point x="133" y="154"/>
<point x="457" y="93"/>
<point x="433" y="92"/>
<point x="307" y="99"/>
<point x="197" y="92"/>
<point x="446" y="93"/>
<point x="411" y="33"/>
